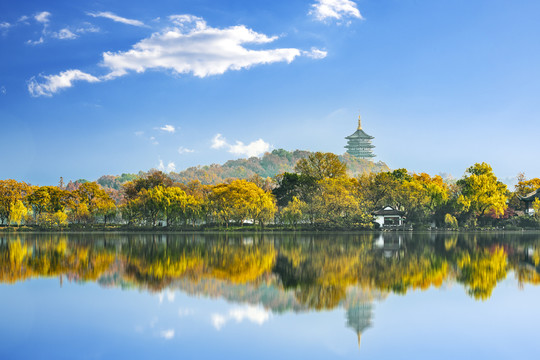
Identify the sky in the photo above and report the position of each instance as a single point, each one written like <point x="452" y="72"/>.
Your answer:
<point x="109" y="87"/>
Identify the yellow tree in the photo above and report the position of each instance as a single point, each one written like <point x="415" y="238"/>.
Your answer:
<point x="98" y="202"/>
<point x="320" y="166"/>
<point x="17" y="213"/>
<point x="264" y="207"/>
<point x="481" y="191"/>
<point x="239" y="201"/>
<point x="175" y="202"/>
<point x="338" y="202"/>
<point x="523" y="188"/>
<point x="10" y="192"/>
<point x="292" y="213"/>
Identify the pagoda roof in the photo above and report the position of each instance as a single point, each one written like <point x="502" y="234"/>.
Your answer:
<point x="359" y="134"/>
<point x="530" y="196"/>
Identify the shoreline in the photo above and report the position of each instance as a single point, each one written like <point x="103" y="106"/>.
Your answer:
<point x="159" y="230"/>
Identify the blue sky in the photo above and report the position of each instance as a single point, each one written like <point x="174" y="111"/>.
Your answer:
<point x="106" y="87"/>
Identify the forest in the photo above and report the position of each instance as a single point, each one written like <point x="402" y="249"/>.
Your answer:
<point x="319" y="193"/>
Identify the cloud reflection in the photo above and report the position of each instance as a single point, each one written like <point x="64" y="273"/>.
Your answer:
<point x="254" y="314"/>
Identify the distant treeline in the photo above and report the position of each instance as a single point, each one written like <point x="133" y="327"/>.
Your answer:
<point x="273" y="163"/>
<point x="319" y="193"/>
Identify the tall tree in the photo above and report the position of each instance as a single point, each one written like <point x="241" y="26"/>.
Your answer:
<point x="482" y="191"/>
<point x="320" y="166"/>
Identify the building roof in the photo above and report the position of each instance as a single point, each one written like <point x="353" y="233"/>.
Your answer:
<point x="388" y="210"/>
<point x="359" y="134"/>
<point x="530" y="196"/>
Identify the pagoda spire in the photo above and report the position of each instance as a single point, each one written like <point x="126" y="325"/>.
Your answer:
<point x="359" y="122"/>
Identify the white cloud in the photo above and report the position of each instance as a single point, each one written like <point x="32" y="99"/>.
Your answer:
<point x="335" y="9"/>
<point x="183" y="150"/>
<point x="167" y="334"/>
<point x="190" y="46"/>
<point x="139" y="133"/>
<point x="42" y="17"/>
<point x="35" y="42"/>
<point x="87" y="28"/>
<point x="168" y="128"/>
<point x="315" y="53"/>
<point x="154" y="141"/>
<point x="5" y="25"/>
<point x="65" y="34"/>
<point x="23" y="18"/>
<point x="193" y="47"/>
<point x="254" y="148"/>
<point x="254" y="314"/>
<point x="114" y="17"/>
<point x="54" y="83"/>
<point x="3" y="90"/>
<point x="218" y="142"/>
<point x="170" y="167"/>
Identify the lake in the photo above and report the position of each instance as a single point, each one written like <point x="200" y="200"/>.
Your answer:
<point x="277" y="296"/>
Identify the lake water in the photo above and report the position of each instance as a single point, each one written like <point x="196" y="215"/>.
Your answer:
<point x="210" y="296"/>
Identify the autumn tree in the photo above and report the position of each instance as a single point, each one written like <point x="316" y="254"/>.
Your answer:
<point x="320" y="165"/>
<point x="239" y="201"/>
<point x="97" y="201"/>
<point x="523" y="187"/>
<point x="148" y="181"/>
<point x="18" y="212"/>
<point x="49" y="199"/>
<point x="337" y="202"/>
<point x="292" y="213"/>
<point x="10" y="192"/>
<point x="480" y="191"/>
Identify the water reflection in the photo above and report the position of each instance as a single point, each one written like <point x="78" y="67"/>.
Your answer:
<point x="273" y="274"/>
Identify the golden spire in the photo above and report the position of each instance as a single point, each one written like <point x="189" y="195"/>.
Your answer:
<point x="359" y="123"/>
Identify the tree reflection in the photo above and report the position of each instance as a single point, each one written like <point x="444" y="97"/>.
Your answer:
<point x="316" y="270"/>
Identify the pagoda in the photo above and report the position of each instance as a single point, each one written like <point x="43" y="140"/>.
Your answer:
<point x="359" y="143"/>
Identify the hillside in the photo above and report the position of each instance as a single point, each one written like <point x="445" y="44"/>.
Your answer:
<point x="269" y="165"/>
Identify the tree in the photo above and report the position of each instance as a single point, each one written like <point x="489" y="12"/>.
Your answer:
<point x="482" y="191"/>
<point x="320" y="165"/>
<point x="49" y="199"/>
<point x="175" y="202"/>
<point x="18" y="212"/>
<point x="97" y="201"/>
<point x="338" y="203"/>
<point x="149" y="181"/>
<point x="10" y="192"/>
<point x="450" y="221"/>
<point x="291" y="185"/>
<point x="522" y="188"/>
<point x="292" y="213"/>
<point x="239" y="201"/>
